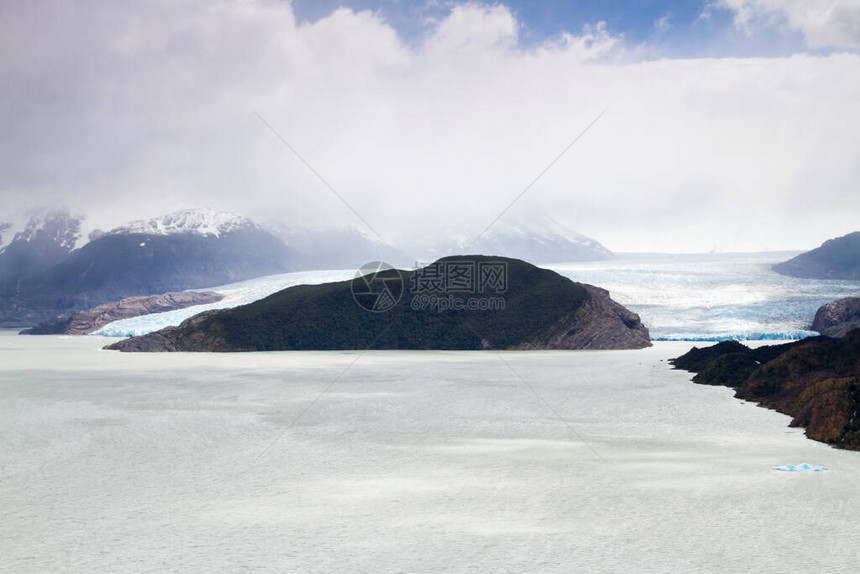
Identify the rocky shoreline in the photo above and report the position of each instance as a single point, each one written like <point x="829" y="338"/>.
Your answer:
<point x="816" y="381"/>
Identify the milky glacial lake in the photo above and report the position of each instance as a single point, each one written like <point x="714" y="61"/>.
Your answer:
<point x="604" y="461"/>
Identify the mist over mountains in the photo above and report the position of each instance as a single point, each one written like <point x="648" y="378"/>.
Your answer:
<point x="48" y="267"/>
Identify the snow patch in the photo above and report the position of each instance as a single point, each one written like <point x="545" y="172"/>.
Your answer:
<point x="202" y="221"/>
<point x="56" y="225"/>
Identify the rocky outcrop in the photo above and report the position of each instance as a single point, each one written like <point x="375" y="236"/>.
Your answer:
<point x="94" y="319"/>
<point x="836" y="319"/>
<point x="528" y="308"/>
<point x="600" y="323"/>
<point x="185" y="337"/>
<point x="816" y="381"/>
<point x="837" y="258"/>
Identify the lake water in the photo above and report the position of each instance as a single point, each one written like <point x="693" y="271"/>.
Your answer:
<point x="387" y="462"/>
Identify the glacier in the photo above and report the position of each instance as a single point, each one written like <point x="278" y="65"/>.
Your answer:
<point x="712" y="296"/>
<point x="235" y="294"/>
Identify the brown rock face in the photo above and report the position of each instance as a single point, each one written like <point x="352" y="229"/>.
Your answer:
<point x="600" y="323"/>
<point x="94" y="319"/>
<point x="170" y="339"/>
<point x="838" y="318"/>
<point x="816" y="381"/>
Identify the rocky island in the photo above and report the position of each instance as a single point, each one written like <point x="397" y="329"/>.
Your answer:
<point x="540" y="310"/>
<point x="816" y="381"/>
<point x="94" y="319"/>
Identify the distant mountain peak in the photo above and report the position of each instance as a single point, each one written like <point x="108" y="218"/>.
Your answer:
<point x="539" y="240"/>
<point x="55" y="226"/>
<point x="202" y="221"/>
<point x="4" y="229"/>
<point x="45" y="238"/>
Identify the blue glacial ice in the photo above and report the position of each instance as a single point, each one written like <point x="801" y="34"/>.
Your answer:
<point x="235" y="294"/>
<point x="801" y="466"/>
<point x="712" y="297"/>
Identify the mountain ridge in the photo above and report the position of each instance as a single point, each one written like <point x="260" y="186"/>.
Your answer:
<point x="837" y="258"/>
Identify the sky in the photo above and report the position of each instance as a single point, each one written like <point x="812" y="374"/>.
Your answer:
<point x="702" y="124"/>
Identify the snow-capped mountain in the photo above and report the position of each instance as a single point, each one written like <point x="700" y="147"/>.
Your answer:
<point x="43" y="239"/>
<point x="543" y="241"/>
<point x="57" y="226"/>
<point x="203" y="221"/>
<point x="5" y="226"/>
<point x="183" y="250"/>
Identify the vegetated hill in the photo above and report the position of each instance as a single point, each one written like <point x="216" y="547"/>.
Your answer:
<point x="542" y="310"/>
<point x="836" y="319"/>
<point x="816" y="381"/>
<point x="835" y="259"/>
<point x="187" y="250"/>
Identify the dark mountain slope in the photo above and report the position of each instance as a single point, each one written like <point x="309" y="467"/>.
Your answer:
<point x="116" y="266"/>
<point x="836" y="259"/>
<point x="47" y="239"/>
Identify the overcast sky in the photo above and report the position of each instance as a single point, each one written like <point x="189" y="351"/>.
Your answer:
<point x="728" y="123"/>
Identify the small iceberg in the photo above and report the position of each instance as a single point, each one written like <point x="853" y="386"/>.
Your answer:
<point x="802" y="466"/>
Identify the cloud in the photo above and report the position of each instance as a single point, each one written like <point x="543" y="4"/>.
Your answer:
<point x="824" y="23"/>
<point x="126" y="111"/>
<point x="663" y="23"/>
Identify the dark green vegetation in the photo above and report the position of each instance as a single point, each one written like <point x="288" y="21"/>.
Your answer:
<point x="542" y="309"/>
<point x="836" y="259"/>
<point x="116" y="266"/>
<point x="816" y="381"/>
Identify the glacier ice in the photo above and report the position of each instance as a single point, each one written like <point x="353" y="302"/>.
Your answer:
<point x="235" y="294"/>
<point x="801" y="466"/>
<point x="711" y="297"/>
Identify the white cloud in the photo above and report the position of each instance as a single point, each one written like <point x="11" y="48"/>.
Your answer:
<point x="663" y="23"/>
<point x="824" y="23"/>
<point x="130" y="111"/>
